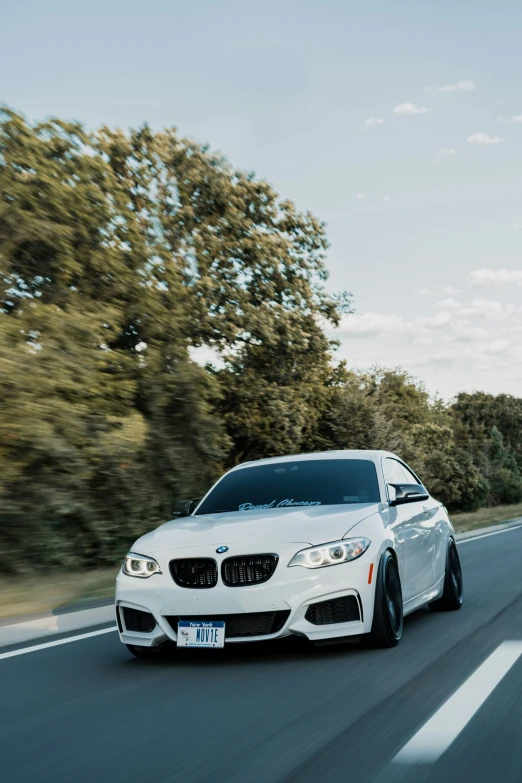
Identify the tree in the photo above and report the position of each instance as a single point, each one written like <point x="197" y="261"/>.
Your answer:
<point x="502" y="471"/>
<point x="476" y="414"/>
<point x="119" y="252"/>
<point x="446" y="469"/>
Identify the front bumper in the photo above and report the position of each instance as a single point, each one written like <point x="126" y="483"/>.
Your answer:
<point x="290" y="589"/>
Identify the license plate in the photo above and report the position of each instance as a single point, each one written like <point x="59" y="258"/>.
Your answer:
<point x="201" y="633"/>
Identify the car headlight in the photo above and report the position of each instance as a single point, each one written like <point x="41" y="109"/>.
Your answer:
<point x="140" y="566"/>
<point x="331" y="554"/>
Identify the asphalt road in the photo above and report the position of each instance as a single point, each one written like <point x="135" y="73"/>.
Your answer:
<point x="286" y="711"/>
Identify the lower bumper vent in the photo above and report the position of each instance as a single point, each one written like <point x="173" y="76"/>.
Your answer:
<point x="136" y="620"/>
<point x="241" y="625"/>
<point x="338" y="610"/>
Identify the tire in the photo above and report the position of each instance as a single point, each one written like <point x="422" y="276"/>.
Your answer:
<point x="387" y="614"/>
<point x="145" y="652"/>
<point x="452" y="594"/>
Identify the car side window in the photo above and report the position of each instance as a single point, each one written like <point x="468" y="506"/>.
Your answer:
<point x="411" y="479"/>
<point x="394" y="473"/>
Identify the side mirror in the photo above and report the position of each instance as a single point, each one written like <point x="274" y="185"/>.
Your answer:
<point x="191" y="505"/>
<point x="188" y="508"/>
<point x="406" y="493"/>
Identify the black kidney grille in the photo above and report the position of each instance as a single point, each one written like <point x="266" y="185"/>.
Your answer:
<point x="196" y="572"/>
<point x="241" y="625"/>
<point x="338" y="610"/>
<point x="136" y="620"/>
<point x="248" y="569"/>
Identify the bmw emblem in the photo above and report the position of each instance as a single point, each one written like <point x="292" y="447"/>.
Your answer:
<point x="221" y="549"/>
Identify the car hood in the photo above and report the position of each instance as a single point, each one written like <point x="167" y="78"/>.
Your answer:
<point x="312" y="526"/>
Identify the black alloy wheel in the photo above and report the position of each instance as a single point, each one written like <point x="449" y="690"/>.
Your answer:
<point x="387" y="616"/>
<point x="453" y="593"/>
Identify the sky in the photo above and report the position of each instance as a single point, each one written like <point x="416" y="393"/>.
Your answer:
<point x="397" y="123"/>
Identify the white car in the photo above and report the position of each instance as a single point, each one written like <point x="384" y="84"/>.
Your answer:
<point x="326" y="546"/>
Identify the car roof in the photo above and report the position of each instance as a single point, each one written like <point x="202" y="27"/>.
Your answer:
<point x="369" y="454"/>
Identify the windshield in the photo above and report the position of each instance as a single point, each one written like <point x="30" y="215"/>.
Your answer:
<point x="314" y="482"/>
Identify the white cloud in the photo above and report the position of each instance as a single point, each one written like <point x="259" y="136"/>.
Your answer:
<point x="491" y="310"/>
<point x="373" y="324"/>
<point x="484" y="138"/>
<point x="493" y="322"/>
<point x="483" y="337"/>
<point x="360" y="196"/>
<point x="463" y="332"/>
<point x="410" y="108"/>
<point x="491" y="305"/>
<point x="371" y="122"/>
<point x="483" y="321"/>
<point x="517" y="119"/>
<point x="517" y="226"/>
<point x="435" y="321"/>
<point x="387" y="197"/>
<point x="449" y="290"/>
<point x="496" y="277"/>
<point x="445" y="152"/>
<point x="447" y="365"/>
<point x="483" y="354"/>
<point x="368" y="325"/>
<point x="441" y="360"/>
<point x="425" y="292"/>
<point x="497" y="346"/>
<point x="466" y="85"/>
<point x="449" y="304"/>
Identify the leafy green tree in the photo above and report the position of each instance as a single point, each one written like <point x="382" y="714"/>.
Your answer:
<point x="389" y="410"/>
<point x="373" y="410"/>
<point x="476" y="414"/>
<point x="446" y="469"/>
<point x="119" y="252"/>
<point x="502" y="471"/>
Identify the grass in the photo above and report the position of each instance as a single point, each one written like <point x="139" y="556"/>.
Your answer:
<point x="484" y="517"/>
<point x="23" y="595"/>
<point x="36" y="594"/>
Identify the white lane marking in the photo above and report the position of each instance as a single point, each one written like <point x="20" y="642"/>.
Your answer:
<point x="68" y="639"/>
<point x="486" y="535"/>
<point x="435" y="737"/>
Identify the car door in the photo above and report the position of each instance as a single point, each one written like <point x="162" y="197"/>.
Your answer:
<point x="423" y="538"/>
<point x="402" y="521"/>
